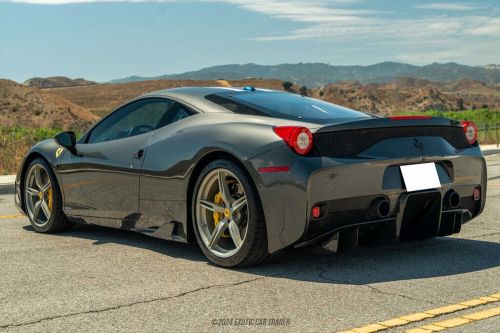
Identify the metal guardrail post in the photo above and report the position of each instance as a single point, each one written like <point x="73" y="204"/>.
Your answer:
<point x="496" y="134"/>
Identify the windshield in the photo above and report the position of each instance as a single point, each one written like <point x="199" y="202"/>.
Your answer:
<point x="284" y="105"/>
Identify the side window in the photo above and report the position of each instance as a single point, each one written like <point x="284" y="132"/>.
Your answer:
<point x="176" y="113"/>
<point x="133" y="119"/>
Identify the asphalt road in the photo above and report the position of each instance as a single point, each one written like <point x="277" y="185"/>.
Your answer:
<point x="97" y="279"/>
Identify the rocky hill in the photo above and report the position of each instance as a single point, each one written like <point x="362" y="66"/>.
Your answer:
<point x="56" y="81"/>
<point x="410" y="94"/>
<point x="317" y="74"/>
<point x="31" y="107"/>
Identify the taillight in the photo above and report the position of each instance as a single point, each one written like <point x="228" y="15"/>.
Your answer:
<point x="470" y="131"/>
<point x="298" y="138"/>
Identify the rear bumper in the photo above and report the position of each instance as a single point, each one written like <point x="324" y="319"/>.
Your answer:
<point x="345" y="189"/>
<point x="419" y="215"/>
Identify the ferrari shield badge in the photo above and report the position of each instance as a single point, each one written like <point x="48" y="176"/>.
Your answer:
<point x="59" y="151"/>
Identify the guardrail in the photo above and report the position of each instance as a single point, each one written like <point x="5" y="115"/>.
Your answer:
<point x="489" y="133"/>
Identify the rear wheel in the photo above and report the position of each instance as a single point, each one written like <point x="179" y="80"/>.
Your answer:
<point x="228" y="217"/>
<point x="42" y="198"/>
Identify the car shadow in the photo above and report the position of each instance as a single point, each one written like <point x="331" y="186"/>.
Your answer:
<point x="102" y="235"/>
<point x="438" y="257"/>
<point x="443" y="256"/>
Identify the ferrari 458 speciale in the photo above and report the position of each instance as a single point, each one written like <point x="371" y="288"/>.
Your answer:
<point x="250" y="172"/>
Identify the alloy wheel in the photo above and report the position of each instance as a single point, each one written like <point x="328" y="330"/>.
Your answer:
<point x="222" y="213"/>
<point x="38" y="194"/>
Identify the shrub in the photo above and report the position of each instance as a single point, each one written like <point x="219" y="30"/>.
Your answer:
<point x="287" y="85"/>
<point x="303" y="91"/>
<point x="15" y="142"/>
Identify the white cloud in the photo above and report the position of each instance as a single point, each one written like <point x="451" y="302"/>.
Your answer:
<point x="427" y="28"/>
<point x="303" y="11"/>
<point x="448" y="6"/>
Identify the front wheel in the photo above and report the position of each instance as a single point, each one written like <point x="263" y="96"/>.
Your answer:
<point x="228" y="217"/>
<point x="42" y="199"/>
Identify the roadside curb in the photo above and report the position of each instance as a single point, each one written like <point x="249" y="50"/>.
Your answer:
<point x="491" y="152"/>
<point x="7" y="184"/>
<point x="7" y="188"/>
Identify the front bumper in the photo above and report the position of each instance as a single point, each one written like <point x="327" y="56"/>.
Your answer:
<point x="346" y="188"/>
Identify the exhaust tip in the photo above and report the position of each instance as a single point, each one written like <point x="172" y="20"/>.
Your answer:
<point x="381" y="207"/>
<point x="452" y="199"/>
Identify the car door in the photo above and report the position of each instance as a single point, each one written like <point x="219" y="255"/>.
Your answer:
<point x="162" y="189"/>
<point x="102" y="180"/>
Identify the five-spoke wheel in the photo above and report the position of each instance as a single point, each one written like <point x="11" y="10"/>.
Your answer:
<point x="222" y="212"/>
<point x="38" y="194"/>
<point x="229" y="222"/>
<point x="42" y="198"/>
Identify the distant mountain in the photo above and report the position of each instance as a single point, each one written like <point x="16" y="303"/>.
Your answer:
<point x="318" y="74"/>
<point x="56" y="81"/>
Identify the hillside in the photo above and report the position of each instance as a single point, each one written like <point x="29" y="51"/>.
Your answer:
<point x="409" y="94"/>
<point x="56" y="81"/>
<point x="317" y="74"/>
<point x="31" y="107"/>
<point x="404" y="94"/>
<point x="102" y="98"/>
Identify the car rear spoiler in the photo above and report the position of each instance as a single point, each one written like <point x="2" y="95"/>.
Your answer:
<point x="398" y="121"/>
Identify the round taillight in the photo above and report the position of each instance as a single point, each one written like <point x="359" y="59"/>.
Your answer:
<point x="300" y="139"/>
<point x="470" y="131"/>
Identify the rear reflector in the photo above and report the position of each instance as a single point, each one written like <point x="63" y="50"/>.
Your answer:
<point x="316" y="212"/>
<point x="274" y="169"/>
<point x="410" y="117"/>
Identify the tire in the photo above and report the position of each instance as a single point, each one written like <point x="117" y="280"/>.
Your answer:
<point x="57" y="220"/>
<point x="253" y="249"/>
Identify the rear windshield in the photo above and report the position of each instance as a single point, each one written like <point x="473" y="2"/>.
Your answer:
<point x="284" y="105"/>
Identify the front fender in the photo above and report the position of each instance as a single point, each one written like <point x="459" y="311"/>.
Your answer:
<point x="46" y="150"/>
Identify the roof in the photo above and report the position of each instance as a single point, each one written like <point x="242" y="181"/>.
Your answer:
<point x="195" y="96"/>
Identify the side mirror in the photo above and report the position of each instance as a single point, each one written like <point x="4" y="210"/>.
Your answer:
<point x="67" y="140"/>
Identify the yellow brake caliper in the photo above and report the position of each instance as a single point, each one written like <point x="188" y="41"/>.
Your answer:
<point x="50" y="199"/>
<point x="217" y="216"/>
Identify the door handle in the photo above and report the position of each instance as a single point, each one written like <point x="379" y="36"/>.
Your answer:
<point x="138" y="154"/>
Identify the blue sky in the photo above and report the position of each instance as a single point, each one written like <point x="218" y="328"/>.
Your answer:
<point x="102" y="40"/>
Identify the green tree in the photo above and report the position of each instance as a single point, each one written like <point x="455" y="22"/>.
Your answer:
<point x="287" y="85"/>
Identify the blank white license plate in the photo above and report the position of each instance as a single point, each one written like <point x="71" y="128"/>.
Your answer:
<point x="419" y="177"/>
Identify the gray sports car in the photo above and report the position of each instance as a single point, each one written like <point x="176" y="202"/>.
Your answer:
<point x="250" y="172"/>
